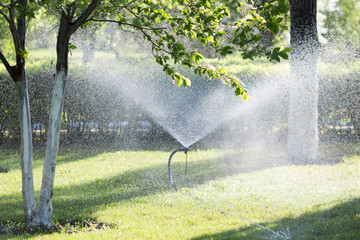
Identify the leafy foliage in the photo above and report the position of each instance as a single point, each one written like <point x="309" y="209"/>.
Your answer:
<point x="262" y="18"/>
<point x="169" y="26"/>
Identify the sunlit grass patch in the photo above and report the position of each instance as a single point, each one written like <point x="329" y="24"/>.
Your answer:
<point x="224" y="196"/>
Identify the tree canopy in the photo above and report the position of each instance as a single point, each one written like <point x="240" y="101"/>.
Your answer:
<point x="168" y="24"/>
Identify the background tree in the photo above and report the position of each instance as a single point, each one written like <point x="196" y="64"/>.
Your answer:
<point x="302" y="140"/>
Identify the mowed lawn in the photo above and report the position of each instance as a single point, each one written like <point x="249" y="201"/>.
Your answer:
<point x="227" y="194"/>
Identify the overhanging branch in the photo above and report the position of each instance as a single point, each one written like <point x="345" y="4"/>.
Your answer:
<point x="110" y="7"/>
<point x="127" y="24"/>
<point x="142" y="29"/>
<point x="148" y="37"/>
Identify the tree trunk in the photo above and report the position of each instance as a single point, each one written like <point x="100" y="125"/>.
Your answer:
<point x="52" y="144"/>
<point x="31" y="217"/>
<point x="17" y="27"/>
<point x="47" y="185"/>
<point x="302" y="145"/>
<point x="66" y="29"/>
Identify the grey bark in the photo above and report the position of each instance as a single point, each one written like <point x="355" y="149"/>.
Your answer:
<point x="42" y="214"/>
<point x="48" y="178"/>
<point x="17" y="26"/>
<point x="66" y="28"/>
<point x="31" y="216"/>
<point x="302" y="144"/>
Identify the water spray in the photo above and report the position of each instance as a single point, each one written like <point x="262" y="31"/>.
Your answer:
<point x="185" y="149"/>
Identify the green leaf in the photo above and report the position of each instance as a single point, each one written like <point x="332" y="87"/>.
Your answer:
<point x="276" y="50"/>
<point x="273" y="27"/>
<point x="278" y="20"/>
<point x="193" y="34"/>
<point x="257" y="37"/>
<point x="178" y="79"/>
<point x="23" y="53"/>
<point x="283" y="55"/>
<point x="237" y="91"/>
<point x="226" y="50"/>
<point x="245" y="97"/>
<point x="72" y="46"/>
<point x="203" y="41"/>
<point x="210" y="38"/>
<point x="186" y="82"/>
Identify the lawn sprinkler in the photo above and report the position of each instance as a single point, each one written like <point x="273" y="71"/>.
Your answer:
<point x="185" y="149"/>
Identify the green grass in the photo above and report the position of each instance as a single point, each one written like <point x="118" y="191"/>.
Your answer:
<point x="223" y="196"/>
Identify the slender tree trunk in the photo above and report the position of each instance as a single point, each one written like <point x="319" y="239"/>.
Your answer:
<point x="302" y="146"/>
<point x="17" y="27"/>
<point x="52" y="144"/>
<point x="31" y="216"/>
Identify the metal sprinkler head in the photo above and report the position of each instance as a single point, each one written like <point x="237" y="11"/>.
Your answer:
<point x="185" y="150"/>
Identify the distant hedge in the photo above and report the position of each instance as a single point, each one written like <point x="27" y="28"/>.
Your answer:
<point x="94" y="111"/>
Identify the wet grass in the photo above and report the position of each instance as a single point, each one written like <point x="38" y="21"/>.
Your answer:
<point x="224" y="196"/>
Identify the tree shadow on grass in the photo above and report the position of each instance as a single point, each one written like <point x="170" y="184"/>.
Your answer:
<point x="339" y="222"/>
<point x="10" y="158"/>
<point x="82" y="200"/>
<point x="87" y="198"/>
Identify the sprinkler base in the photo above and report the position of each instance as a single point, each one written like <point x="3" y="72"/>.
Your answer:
<point x="185" y="150"/>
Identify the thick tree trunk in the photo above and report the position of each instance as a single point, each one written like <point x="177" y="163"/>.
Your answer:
<point x="302" y="146"/>
<point x="31" y="217"/>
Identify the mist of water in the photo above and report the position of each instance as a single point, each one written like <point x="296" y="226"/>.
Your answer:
<point x="187" y="114"/>
<point x="207" y="109"/>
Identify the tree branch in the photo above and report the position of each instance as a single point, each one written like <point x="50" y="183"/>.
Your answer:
<point x="12" y="27"/>
<point x="133" y="13"/>
<point x="84" y="15"/>
<point x="72" y="12"/>
<point x="6" y="17"/>
<point x="8" y="67"/>
<point x="125" y="23"/>
<point x="154" y="44"/>
<point x="111" y="7"/>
